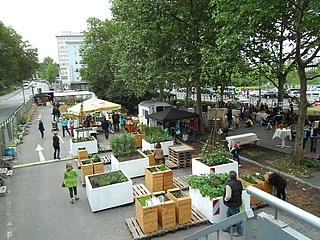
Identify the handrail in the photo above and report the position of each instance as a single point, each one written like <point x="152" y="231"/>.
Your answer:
<point x="284" y="206"/>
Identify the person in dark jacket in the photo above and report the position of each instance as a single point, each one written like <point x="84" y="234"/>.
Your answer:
<point x="278" y="182"/>
<point x="105" y="127"/>
<point x="41" y="128"/>
<point x="56" y="145"/>
<point x="232" y="198"/>
<point x="115" y="120"/>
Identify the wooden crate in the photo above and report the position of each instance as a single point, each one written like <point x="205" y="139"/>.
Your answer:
<point x="166" y="211"/>
<point x="152" y="160"/>
<point x="86" y="169"/>
<point x="181" y="157"/>
<point x="82" y="154"/>
<point x="259" y="184"/>
<point x="154" y="180"/>
<point x="167" y="179"/>
<point x="147" y="216"/>
<point x="138" y="137"/>
<point x="98" y="167"/>
<point x="182" y="206"/>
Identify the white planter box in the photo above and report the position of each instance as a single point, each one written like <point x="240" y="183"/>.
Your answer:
<point x="91" y="146"/>
<point x="133" y="168"/>
<point x="150" y="146"/>
<point x="199" y="167"/>
<point x="109" y="196"/>
<point x="214" y="210"/>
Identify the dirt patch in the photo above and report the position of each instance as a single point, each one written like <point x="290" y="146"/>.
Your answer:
<point x="298" y="194"/>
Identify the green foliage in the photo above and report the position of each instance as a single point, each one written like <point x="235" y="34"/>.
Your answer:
<point x="96" y="158"/>
<point x="216" y="156"/>
<point x="312" y="163"/>
<point x="48" y="70"/>
<point x="82" y="139"/>
<point x="162" y="167"/>
<point x="147" y="152"/>
<point x="258" y="175"/>
<point x="155" y="134"/>
<point x="249" y="179"/>
<point x="86" y="161"/>
<point x="209" y="185"/>
<point x="304" y="169"/>
<point x="153" y="169"/>
<point x="143" y="200"/>
<point x="177" y="194"/>
<point x="123" y="144"/>
<point x="22" y="120"/>
<point x="106" y="179"/>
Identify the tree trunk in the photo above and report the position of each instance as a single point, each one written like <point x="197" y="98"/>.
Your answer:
<point x="281" y="83"/>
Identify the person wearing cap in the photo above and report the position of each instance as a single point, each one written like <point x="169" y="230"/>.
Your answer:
<point x="233" y="200"/>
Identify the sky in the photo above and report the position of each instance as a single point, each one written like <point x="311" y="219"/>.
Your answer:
<point x="40" y="21"/>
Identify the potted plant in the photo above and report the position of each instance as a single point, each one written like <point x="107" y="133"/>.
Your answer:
<point x="158" y="178"/>
<point x="166" y="210"/>
<point x="182" y="205"/>
<point x="89" y="142"/>
<point x="146" y="213"/>
<point x="97" y="163"/>
<point x="154" y="135"/>
<point x="86" y="169"/>
<point x="213" y="159"/>
<point x="150" y="155"/>
<point x="107" y="190"/>
<point x="125" y="155"/>
<point x="206" y="192"/>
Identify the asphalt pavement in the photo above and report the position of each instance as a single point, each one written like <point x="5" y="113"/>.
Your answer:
<point x="37" y="207"/>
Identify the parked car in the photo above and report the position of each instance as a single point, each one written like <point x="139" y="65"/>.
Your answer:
<point x="270" y="93"/>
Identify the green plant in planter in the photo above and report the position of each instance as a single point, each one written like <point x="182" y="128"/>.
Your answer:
<point x="143" y="200"/>
<point x="214" y="156"/>
<point x="162" y="167"/>
<point x="209" y="185"/>
<point x="155" y="134"/>
<point x="153" y="169"/>
<point x="82" y="139"/>
<point x="147" y="152"/>
<point x="123" y="145"/>
<point x="22" y="120"/>
<point x="96" y="158"/>
<point x="248" y="179"/>
<point x="177" y="194"/>
<point x="86" y="161"/>
<point x="106" y="179"/>
<point x="258" y="175"/>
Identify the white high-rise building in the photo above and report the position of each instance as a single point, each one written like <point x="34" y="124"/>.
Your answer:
<point x="69" y="59"/>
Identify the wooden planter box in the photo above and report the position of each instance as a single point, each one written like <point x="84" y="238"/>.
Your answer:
<point x="199" y="167"/>
<point x="152" y="160"/>
<point x="214" y="209"/>
<point x="166" y="211"/>
<point x="154" y="180"/>
<point x="138" y="137"/>
<point x="182" y="206"/>
<point x="264" y="186"/>
<point x="86" y="169"/>
<point x="147" y="216"/>
<point x="109" y="196"/>
<point x="91" y="146"/>
<point x="150" y="146"/>
<point x="82" y="154"/>
<point x="160" y="180"/>
<point x="133" y="168"/>
<point x="98" y="167"/>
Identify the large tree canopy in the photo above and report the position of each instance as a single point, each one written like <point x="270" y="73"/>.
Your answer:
<point x="48" y="70"/>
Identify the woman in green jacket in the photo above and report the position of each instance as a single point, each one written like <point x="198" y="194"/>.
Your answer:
<point x="71" y="181"/>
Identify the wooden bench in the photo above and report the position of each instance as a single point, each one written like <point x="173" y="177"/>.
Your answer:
<point x="255" y="141"/>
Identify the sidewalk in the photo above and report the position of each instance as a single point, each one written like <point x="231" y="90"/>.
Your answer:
<point x="36" y="207"/>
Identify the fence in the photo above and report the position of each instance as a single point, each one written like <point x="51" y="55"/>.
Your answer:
<point x="9" y="127"/>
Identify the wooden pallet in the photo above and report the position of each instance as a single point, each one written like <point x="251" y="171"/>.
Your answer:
<point x="181" y="182"/>
<point x="171" y="165"/>
<point x="104" y="149"/>
<point x="197" y="218"/>
<point x="106" y="159"/>
<point x="140" y="189"/>
<point x="181" y="162"/>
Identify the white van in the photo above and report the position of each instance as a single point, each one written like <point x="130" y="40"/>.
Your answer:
<point x="26" y="86"/>
<point x="313" y="96"/>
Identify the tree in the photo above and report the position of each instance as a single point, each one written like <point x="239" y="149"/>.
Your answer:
<point x="18" y="60"/>
<point x="48" y="70"/>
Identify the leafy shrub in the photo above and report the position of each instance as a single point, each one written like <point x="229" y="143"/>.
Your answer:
<point x="312" y="163"/>
<point x="82" y="139"/>
<point x="216" y="156"/>
<point x="155" y="134"/>
<point x="209" y="185"/>
<point x="123" y="144"/>
<point x="106" y="179"/>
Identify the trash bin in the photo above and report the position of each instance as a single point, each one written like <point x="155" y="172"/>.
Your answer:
<point x="10" y="152"/>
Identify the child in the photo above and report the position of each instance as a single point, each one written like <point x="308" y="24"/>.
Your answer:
<point x="236" y="150"/>
<point x="237" y="122"/>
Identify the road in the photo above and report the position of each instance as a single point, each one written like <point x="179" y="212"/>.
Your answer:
<point x="11" y="102"/>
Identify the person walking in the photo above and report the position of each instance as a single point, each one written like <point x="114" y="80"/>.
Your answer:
<point x="115" y="120"/>
<point x="71" y="182"/>
<point x="278" y="182"/>
<point x="56" y="114"/>
<point x="41" y="128"/>
<point x="232" y="198"/>
<point x="158" y="154"/>
<point x="105" y="127"/>
<point x="56" y="145"/>
<point x="71" y="125"/>
<point x="64" y="124"/>
<point x="313" y="138"/>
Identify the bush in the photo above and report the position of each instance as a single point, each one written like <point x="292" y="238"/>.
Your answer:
<point x="155" y="134"/>
<point x="123" y="144"/>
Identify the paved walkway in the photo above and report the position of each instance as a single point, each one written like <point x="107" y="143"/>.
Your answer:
<point x="36" y="207"/>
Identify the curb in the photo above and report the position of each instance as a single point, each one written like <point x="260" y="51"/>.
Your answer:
<point x="43" y="162"/>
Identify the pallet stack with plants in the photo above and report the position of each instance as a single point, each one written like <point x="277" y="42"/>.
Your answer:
<point x="86" y="169"/>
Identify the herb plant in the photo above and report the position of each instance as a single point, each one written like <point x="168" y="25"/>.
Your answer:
<point x="106" y="179"/>
<point x="123" y="145"/>
<point x="155" y="134"/>
<point x="209" y="185"/>
<point x="216" y="156"/>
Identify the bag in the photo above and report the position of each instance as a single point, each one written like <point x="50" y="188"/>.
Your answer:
<point x="178" y="132"/>
<point x="63" y="185"/>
